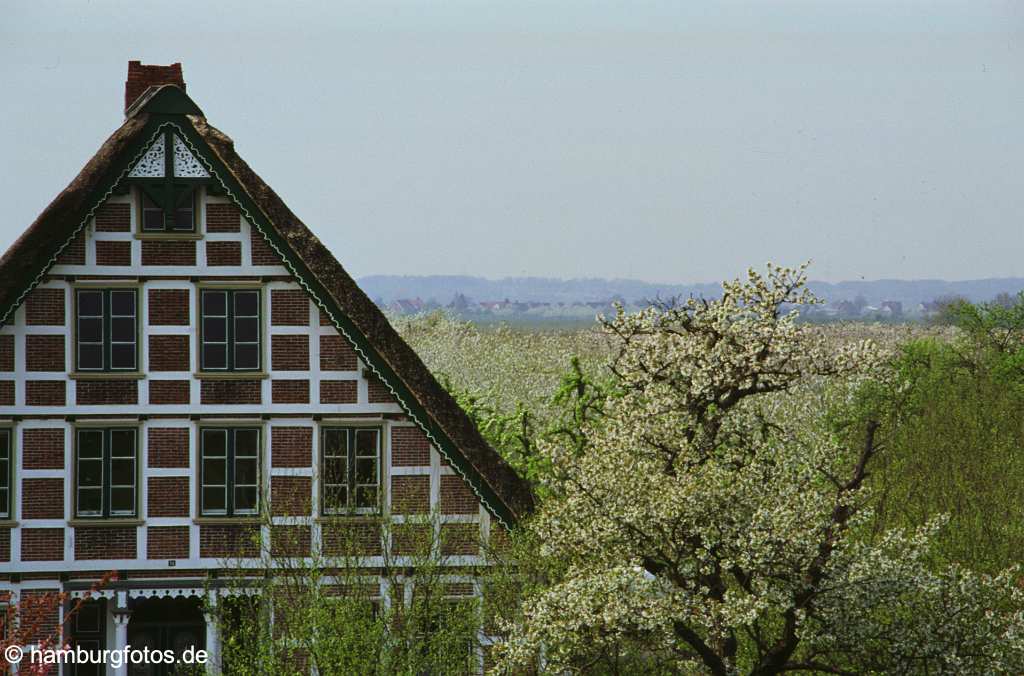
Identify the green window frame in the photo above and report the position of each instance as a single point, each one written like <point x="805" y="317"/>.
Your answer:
<point x="231" y="330"/>
<point x="107" y="329"/>
<point x="106" y="472"/>
<point x="6" y="467"/>
<point x="350" y="470"/>
<point x="229" y="471"/>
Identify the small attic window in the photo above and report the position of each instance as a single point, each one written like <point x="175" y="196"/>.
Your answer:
<point x="180" y="218"/>
<point x="166" y="178"/>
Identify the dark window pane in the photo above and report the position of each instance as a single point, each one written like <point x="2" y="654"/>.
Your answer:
<point x="366" y="471"/>
<point x="90" y="357"/>
<point x="122" y="443"/>
<point x="213" y="499"/>
<point x="90" y="444"/>
<point x="334" y="470"/>
<point x="245" y="471"/>
<point x="247" y="442"/>
<point x="122" y="500"/>
<point x="246" y="303"/>
<point x="122" y="356"/>
<point x="245" y="499"/>
<point x="122" y="329"/>
<point x="335" y="442"/>
<point x="247" y="357"/>
<point x="215" y="356"/>
<point x="90" y="330"/>
<point x="122" y="303"/>
<point x="183" y="219"/>
<point x="214" y="472"/>
<point x="214" y="303"/>
<point x="90" y="473"/>
<point x="247" y="330"/>
<point x="214" y="330"/>
<point x="90" y="303"/>
<point x="153" y="219"/>
<point x="366" y="442"/>
<point x="335" y="498"/>
<point x="122" y="472"/>
<point x="5" y="444"/>
<point x="366" y="496"/>
<point x="90" y="501"/>
<point x="214" y="443"/>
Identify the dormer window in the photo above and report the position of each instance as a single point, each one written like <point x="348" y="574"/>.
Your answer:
<point x="167" y="185"/>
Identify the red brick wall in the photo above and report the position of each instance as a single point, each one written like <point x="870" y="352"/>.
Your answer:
<point x="74" y="253"/>
<point x="222" y="218"/>
<point x="410" y="495"/>
<point x="262" y="254"/>
<point x="223" y="253"/>
<point x="289" y="307"/>
<point x="290" y="540"/>
<point x="42" y="498"/>
<point x="457" y="497"/>
<point x="338" y="391"/>
<point x="107" y="392"/>
<point x="460" y="539"/>
<point x="44" y="353"/>
<point x="113" y="253"/>
<point x="5" y="544"/>
<point x="45" y="392"/>
<point x="45" y="307"/>
<point x="291" y="446"/>
<point x="377" y="392"/>
<point x="42" y="449"/>
<point x="289" y="353"/>
<point x="164" y="392"/>
<point x="168" y="447"/>
<point x="409" y="447"/>
<point x="337" y="355"/>
<point x="39" y="614"/>
<point x="168" y="307"/>
<point x="168" y="353"/>
<point x="141" y="76"/>
<point x="221" y="541"/>
<point x="6" y="352"/>
<point x="156" y="252"/>
<point x="6" y="393"/>
<point x="324" y="319"/>
<point x="230" y="392"/>
<point x="42" y="544"/>
<point x="105" y="543"/>
<point x="114" y="217"/>
<point x="348" y="539"/>
<point x="290" y="391"/>
<point x="167" y="542"/>
<point x="168" y="496"/>
<point x="291" y="495"/>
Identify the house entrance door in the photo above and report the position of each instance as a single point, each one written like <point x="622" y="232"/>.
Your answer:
<point x="174" y="624"/>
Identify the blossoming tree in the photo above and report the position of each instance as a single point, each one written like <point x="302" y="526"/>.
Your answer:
<point x="712" y="519"/>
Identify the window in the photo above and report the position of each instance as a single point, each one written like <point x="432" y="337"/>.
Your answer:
<point x="5" y="473"/>
<point x="229" y="471"/>
<point x="230" y="330"/>
<point x="105" y="472"/>
<point x="106" y="329"/>
<point x="180" y="216"/>
<point x="350" y="469"/>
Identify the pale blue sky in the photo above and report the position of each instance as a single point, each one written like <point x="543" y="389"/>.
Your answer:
<point x="668" y="141"/>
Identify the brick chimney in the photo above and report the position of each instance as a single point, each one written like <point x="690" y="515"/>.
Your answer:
<point x="141" y="77"/>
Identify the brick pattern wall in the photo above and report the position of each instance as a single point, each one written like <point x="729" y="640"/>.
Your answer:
<point x="107" y="392"/>
<point x="167" y="392"/>
<point x="230" y="392"/>
<point x="289" y="391"/>
<point x="42" y="449"/>
<point x="168" y="307"/>
<point x="342" y="538"/>
<point x="45" y="307"/>
<point x="457" y="497"/>
<point x="6" y="393"/>
<point x="5" y="544"/>
<point x="410" y="495"/>
<point x="291" y="495"/>
<point x="220" y="541"/>
<point x="73" y="253"/>
<point x="44" y="353"/>
<point x="377" y="392"/>
<point x="337" y="355"/>
<point x="222" y="218"/>
<point x="39" y="613"/>
<point x="290" y="540"/>
<point x="114" y="217"/>
<point x="460" y="539"/>
<point x="168" y="353"/>
<point x="289" y="307"/>
<point x="6" y="352"/>
<point x="168" y="447"/>
<point x="411" y="539"/>
<point x="156" y="252"/>
<point x="262" y="254"/>
<point x="168" y="496"/>
<point x="291" y="446"/>
<point x="289" y="353"/>
<point x="113" y="253"/>
<point x="42" y="498"/>
<point x="338" y="391"/>
<point x="42" y="544"/>
<point x="409" y="447"/>
<point x="167" y="542"/>
<point x="224" y="253"/>
<point x="44" y="393"/>
<point x="105" y="543"/>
